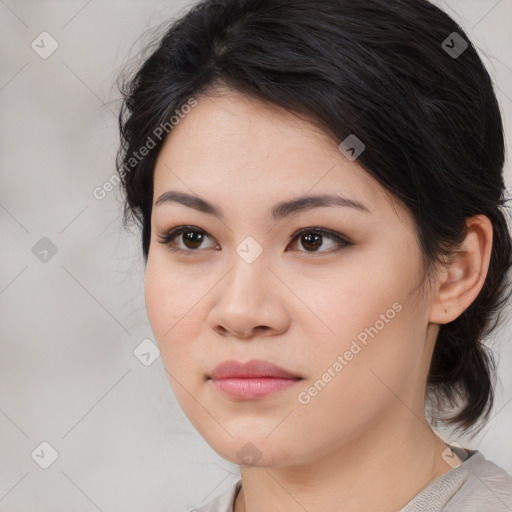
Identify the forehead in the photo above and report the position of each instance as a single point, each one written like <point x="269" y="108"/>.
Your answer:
<point x="231" y="147"/>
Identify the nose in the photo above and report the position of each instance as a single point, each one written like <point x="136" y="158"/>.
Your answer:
<point x="249" y="301"/>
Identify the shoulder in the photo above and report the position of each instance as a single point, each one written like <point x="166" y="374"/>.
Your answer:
<point x="223" y="503"/>
<point x="487" y="487"/>
<point x="476" y="485"/>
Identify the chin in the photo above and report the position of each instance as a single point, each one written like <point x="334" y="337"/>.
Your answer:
<point x="254" y="451"/>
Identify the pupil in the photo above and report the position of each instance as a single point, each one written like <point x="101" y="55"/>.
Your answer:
<point x="309" y="239"/>
<point x="189" y="237"/>
<point x="195" y="238"/>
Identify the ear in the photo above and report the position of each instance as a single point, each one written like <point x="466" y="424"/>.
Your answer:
<point x="460" y="282"/>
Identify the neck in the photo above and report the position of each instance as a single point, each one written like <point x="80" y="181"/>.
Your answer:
<point x="381" y="470"/>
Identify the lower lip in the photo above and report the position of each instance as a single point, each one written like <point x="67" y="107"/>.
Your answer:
<point x="252" y="388"/>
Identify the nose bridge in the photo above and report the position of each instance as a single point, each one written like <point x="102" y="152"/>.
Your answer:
<point x="247" y="300"/>
<point x="248" y="275"/>
<point x="249" y="293"/>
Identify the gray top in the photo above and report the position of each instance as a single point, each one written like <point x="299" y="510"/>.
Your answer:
<point x="476" y="485"/>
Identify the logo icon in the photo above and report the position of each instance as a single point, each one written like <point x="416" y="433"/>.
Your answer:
<point x="44" y="455"/>
<point x="249" y="454"/>
<point x="249" y="249"/>
<point x="44" y="250"/>
<point x="454" y="45"/>
<point x="44" y="45"/>
<point x="352" y="147"/>
<point x="451" y="452"/>
<point x="146" y="352"/>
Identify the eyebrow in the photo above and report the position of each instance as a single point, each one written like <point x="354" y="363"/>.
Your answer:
<point x="278" y="211"/>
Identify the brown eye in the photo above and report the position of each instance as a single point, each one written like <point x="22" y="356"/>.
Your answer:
<point x="191" y="238"/>
<point x="194" y="238"/>
<point x="312" y="239"/>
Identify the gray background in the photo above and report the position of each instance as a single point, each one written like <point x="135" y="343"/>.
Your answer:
<point x="68" y="375"/>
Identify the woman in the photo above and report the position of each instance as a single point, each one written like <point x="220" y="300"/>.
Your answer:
<point x="319" y="186"/>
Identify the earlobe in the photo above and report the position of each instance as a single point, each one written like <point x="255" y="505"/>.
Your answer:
<point x="462" y="279"/>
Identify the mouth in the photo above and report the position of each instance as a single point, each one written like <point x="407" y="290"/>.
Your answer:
<point x="251" y="380"/>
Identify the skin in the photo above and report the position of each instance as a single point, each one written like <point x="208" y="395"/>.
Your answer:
<point x="300" y="305"/>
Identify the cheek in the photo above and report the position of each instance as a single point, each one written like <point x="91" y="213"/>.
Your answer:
<point x="158" y="299"/>
<point x="356" y="298"/>
<point x="369" y="320"/>
<point x="176" y="315"/>
<point x="169" y="294"/>
<point x="170" y="316"/>
<point x="353" y="383"/>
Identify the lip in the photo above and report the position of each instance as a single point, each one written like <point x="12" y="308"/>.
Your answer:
<point x="251" y="369"/>
<point x="253" y="379"/>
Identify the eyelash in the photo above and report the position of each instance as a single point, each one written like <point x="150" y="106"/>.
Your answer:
<point x="167" y="237"/>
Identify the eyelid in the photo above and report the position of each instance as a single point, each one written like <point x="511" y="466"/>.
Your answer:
<point x="168" y="235"/>
<point x="328" y="233"/>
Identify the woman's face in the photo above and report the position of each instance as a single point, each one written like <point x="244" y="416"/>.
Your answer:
<point x="344" y="315"/>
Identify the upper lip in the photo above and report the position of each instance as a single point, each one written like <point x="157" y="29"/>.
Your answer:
<point x="251" y="369"/>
